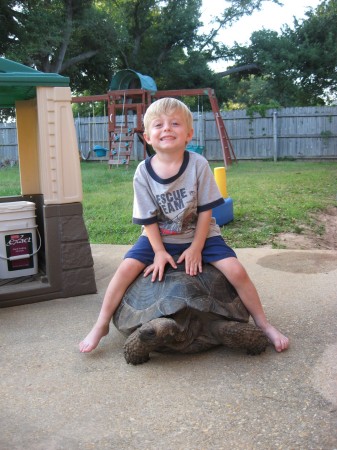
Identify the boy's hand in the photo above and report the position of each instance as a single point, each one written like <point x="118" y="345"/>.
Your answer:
<point x="193" y="261"/>
<point x="157" y="268"/>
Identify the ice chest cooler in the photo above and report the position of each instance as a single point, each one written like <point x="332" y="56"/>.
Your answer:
<point x="18" y="239"/>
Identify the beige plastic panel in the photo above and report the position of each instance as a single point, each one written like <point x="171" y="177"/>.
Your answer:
<point x="60" y="173"/>
<point x="26" y="119"/>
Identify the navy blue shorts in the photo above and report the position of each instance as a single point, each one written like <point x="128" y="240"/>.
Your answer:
<point x="215" y="249"/>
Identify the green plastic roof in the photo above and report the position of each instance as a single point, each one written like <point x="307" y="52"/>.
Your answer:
<point x="18" y="82"/>
<point x="129" y="79"/>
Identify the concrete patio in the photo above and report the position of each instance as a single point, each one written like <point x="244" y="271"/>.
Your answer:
<point x="53" y="397"/>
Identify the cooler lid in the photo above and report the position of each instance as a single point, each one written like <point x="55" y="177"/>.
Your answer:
<point x="16" y="206"/>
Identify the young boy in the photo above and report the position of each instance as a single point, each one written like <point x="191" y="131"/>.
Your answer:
<point x="174" y="193"/>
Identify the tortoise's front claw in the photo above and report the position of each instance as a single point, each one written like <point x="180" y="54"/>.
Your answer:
<point x="135" y="352"/>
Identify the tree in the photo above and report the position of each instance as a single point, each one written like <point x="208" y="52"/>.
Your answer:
<point x="159" y="36"/>
<point x="9" y="26"/>
<point x="268" y="78"/>
<point x="57" y="35"/>
<point x="316" y="62"/>
<point x="296" y="67"/>
<point x="89" y="40"/>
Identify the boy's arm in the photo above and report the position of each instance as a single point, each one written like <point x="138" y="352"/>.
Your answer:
<point x="192" y="256"/>
<point x="161" y="257"/>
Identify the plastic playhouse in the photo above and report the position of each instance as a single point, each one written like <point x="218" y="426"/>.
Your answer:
<point x="45" y="251"/>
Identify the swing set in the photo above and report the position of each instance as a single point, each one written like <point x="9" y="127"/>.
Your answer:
<point x="129" y="96"/>
<point x="93" y="140"/>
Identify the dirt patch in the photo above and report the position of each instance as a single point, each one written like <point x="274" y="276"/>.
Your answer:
<point x="326" y="239"/>
<point x="300" y="262"/>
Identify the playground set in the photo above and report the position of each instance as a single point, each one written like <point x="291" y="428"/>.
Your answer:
<point x="130" y="94"/>
<point x="44" y="247"/>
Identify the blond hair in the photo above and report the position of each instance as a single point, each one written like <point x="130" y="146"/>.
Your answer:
<point x="167" y="106"/>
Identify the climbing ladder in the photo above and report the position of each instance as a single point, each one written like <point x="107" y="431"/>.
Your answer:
<point x="120" y="146"/>
<point x="129" y="105"/>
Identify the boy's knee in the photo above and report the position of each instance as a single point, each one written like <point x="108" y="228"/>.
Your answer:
<point x="237" y="274"/>
<point x="129" y="267"/>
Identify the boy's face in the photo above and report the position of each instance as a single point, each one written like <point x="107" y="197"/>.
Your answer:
<point x="168" y="132"/>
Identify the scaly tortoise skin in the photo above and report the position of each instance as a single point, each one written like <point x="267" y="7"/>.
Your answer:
<point x="184" y="314"/>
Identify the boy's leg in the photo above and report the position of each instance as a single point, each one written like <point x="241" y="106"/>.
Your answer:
<point x="238" y="277"/>
<point x="126" y="273"/>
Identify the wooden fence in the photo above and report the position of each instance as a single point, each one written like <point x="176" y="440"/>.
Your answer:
<point x="299" y="133"/>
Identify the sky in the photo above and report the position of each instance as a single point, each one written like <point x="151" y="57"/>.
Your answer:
<point x="271" y="17"/>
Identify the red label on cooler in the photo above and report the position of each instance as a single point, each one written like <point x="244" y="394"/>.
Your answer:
<point x="18" y="245"/>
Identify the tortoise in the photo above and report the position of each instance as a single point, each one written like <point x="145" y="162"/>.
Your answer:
<point x="184" y="313"/>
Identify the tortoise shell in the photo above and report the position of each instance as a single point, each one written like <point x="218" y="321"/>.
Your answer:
<point x="208" y="292"/>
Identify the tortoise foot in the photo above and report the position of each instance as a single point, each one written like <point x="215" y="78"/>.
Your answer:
<point x="258" y="346"/>
<point x="134" y="351"/>
<point x="241" y="335"/>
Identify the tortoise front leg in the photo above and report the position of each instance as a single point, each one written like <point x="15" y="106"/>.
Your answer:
<point x="135" y="352"/>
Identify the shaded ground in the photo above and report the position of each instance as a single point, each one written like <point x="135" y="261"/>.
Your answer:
<point x="324" y="238"/>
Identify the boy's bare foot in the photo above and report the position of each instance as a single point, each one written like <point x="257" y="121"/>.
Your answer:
<point x="90" y="342"/>
<point x="279" y="341"/>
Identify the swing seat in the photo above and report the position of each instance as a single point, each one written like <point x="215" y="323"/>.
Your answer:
<point x="195" y="148"/>
<point x="100" y="151"/>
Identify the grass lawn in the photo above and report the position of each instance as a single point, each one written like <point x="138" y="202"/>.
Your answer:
<point x="269" y="198"/>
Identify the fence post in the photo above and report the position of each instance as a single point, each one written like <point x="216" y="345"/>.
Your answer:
<point x="275" y="134"/>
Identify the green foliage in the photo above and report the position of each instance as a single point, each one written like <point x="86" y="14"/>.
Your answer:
<point x="296" y="67"/>
<point x="90" y="40"/>
<point x="261" y="109"/>
<point x="326" y="135"/>
<point x="315" y="40"/>
<point x="63" y="37"/>
<point x="9" y="25"/>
